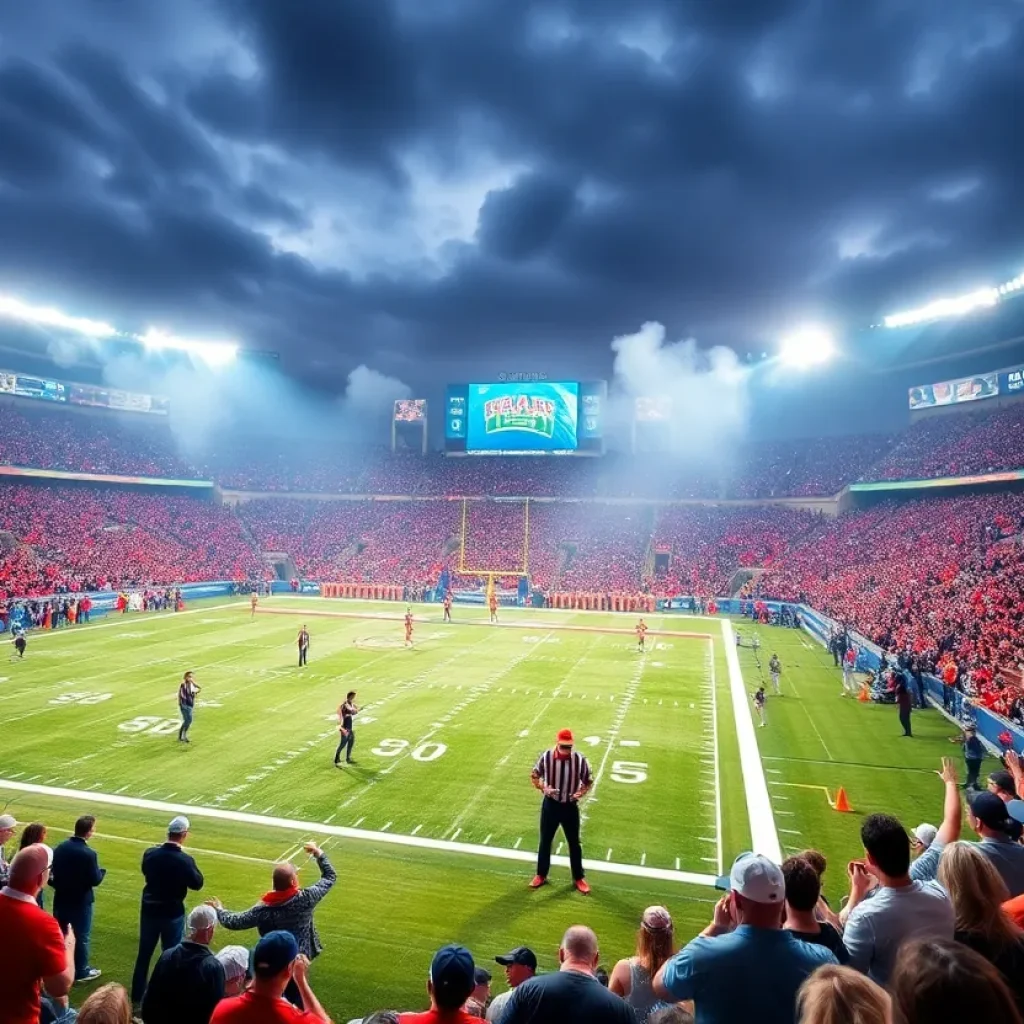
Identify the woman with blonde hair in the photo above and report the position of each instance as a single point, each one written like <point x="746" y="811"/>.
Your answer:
<point x="841" y="995"/>
<point x="107" y="1005"/>
<point x="633" y="979"/>
<point x="977" y="892"/>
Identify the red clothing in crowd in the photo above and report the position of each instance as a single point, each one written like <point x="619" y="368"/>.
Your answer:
<point x="250" y="1008"/>
<point x="31" y="948"/>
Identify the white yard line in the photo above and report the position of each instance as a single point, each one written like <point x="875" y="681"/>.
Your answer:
<point x="620" y="715"/>
<point x="764" y="837"/>
<point x="485" y="788"/>
<point x="388" y="838"/>
<point x="714" y="742"/>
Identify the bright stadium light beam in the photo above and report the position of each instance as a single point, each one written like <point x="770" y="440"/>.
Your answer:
<point x="957" y="306"/>
<point x="213" y="353"/>
<point x="18" y="310"/>
<point x="807" y="348"/>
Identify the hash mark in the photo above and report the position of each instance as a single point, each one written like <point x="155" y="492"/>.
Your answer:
<point x="416" y="829"/>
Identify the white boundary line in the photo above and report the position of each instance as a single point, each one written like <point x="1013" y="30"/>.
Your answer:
<point x="124" y="620"/>
<point x="390" y="838"/>
<point x="714" y="741"/>
<point x="763" y="834"/>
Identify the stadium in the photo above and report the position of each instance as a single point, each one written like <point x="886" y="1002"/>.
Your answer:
<point x="392" y="652"/>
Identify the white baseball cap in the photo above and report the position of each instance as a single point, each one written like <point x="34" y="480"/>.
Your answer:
<point x="755" y="878"/>
<point x="8" y="821"/>
<point x="925" y="834"/>
<point x="235" y="961"/>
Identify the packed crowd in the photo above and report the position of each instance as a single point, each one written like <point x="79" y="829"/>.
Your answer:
<point x="708" y="544"/>
<point x="66" y="538"/>
<point x="50" y="438"/>
<point x="942" y="580"/>
<point x="930" y="933"/>
<point x="955" y="445"/>
<point x="397" y="542"/>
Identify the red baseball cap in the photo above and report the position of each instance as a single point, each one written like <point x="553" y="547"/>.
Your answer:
<point x="565" y="736"/>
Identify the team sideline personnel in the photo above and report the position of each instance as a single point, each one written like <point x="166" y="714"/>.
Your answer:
<point x="564" y="777"/>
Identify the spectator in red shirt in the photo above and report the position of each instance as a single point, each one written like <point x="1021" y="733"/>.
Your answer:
<point x="451" y="982"/>
<point x="33" y="952"/>
<point x="275" y="962"/>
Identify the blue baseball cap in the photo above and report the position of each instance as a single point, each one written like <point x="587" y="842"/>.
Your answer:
<point x="452" y="976"/>
<point x="273" y="953"/>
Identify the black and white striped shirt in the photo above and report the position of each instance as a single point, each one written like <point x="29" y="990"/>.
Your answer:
<point x="565" y="775"/>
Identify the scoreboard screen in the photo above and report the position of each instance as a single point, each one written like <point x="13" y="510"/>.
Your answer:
<point x="526" y="417"/>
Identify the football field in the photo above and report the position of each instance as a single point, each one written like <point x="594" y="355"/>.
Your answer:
<point x="433" y="829"/>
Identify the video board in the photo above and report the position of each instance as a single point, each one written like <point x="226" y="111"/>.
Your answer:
<point x="27" y="386"/>
<point x="32" y="387"/>
<point x="410" y="410"/>
<point x="1011" y="381"/>
<point x="954" y="392"/>
<point x="525" y="417"/>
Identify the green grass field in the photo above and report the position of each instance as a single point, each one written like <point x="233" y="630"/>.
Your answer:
<point x="433" y="830"/>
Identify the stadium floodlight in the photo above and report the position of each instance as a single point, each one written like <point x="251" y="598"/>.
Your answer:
<point x="807" y="347"/>
<point x="1012" y="286"/>
<point x="940" y="308"/>
<point x="213" y="353"/>
<point x="18" y="310"/>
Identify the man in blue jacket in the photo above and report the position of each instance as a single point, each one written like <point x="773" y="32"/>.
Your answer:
<point x="170" y="873"/>
<point x="75" y="873"/>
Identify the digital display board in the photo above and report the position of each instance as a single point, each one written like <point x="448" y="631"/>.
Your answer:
<point x="410" y="410"/>
<point x="953" y="392"/>
<point x="653" y="409"/>
<point x="528" y="417"/>
<point x="32" y="387"/>
<point x="1011" y="381"/>
<point x="113" y="398"/>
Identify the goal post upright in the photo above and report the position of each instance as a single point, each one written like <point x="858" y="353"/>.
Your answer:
<point x="489" y="572"/>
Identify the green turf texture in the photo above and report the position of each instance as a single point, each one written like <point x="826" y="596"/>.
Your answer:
<point x="263" y="742"/>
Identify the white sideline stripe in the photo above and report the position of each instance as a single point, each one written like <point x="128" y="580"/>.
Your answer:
<point x="152" y="617"/>
<point x="764" y="837"/>
<point x="149" y="842"/>
<point x="714" y="745"/>
<point x="389" y="838"/>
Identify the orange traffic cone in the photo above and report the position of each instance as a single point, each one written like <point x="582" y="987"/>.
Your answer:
<point x="842" y="804"/>
<point x="864" y="696"/>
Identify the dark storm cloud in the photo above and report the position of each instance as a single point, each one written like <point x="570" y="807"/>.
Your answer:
<point x="332" y="178"/>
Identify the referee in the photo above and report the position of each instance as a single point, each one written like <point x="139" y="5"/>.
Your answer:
<point x="564" y="777"/>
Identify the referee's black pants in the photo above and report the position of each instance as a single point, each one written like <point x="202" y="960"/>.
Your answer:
<point x="553" y="815"/>
<point x="302" y="656"/>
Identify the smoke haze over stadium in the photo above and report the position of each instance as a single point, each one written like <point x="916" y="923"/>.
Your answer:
<point x="459" y="189"/>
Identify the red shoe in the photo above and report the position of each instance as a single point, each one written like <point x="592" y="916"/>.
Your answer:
<point x="538" y="881"/>
<point x="581" y="886"/>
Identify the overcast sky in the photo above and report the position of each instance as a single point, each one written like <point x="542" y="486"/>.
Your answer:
<point x="455" y="188"/>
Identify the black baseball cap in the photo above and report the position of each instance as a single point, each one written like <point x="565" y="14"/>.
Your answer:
<point x="482" y="976"/>
<point x="521" y="955"/>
